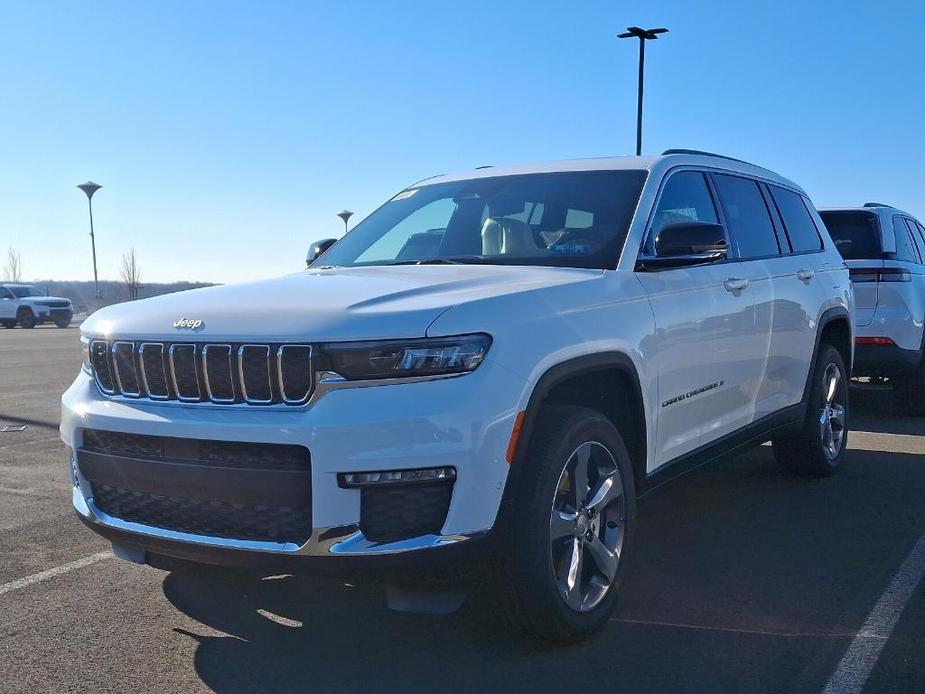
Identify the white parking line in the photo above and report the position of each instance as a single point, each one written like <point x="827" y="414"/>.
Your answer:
<point x="51" y="573"/>
<point x="862" y="654"/>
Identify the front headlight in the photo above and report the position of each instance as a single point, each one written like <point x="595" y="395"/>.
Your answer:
<point x="441" y="356"/>
<point x="85" y="356"/>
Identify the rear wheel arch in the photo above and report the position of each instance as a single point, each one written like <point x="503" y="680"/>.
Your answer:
<point x="834" y="328"/>
<point x="607" y="382"/>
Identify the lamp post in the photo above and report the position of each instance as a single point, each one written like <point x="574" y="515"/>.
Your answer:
<point x="643" y="35"/>
<point x="89" y="188"/>
<point x="345" y="215"/>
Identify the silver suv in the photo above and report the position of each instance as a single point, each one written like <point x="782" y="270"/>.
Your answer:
<point x="884" y="249"/>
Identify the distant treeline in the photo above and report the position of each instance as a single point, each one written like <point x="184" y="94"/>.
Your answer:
<point x="81" y="293"/>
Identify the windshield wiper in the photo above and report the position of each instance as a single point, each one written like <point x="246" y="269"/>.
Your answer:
<point x="455" y="260"/>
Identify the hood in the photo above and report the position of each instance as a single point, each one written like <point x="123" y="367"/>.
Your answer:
<point x="322" y="305"/>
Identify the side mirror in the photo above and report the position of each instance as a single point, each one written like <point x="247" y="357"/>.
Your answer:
<point x="317" y="248"/>
<point x="688" y="243"/>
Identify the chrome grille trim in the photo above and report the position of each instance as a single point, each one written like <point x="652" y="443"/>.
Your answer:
<point x="194" y="373"/>
<point x="205" y="372"/>
<point x="173" y="372"/>
<point x="242" y="350"/>
<point x="94" y="354"/>
<point x="144" y="374"/>
<point x="280" y="356"/>
<point x="116" y="369"/>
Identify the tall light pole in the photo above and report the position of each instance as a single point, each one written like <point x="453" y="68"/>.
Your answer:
<point x="643" y="35"/>
<point x="90" y="188"/>
<point x="345" y="215"/>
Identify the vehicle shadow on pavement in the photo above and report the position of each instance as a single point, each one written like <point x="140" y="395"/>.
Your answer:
<point x="743" y="579"/>
<point x="39" y="423"/>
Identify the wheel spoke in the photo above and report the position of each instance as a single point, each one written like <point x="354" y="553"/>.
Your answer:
<point x="561" y="525"/>
<point x="605" y="560"/>
<point x="572" y="588"/>
<point x="832" y="379"/>
<point x="609" y="490"/>
<point x="580" y="475"/>
<point x="837" y="416"/>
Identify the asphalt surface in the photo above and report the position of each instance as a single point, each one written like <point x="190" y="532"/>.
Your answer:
<point x="743" y="579"/>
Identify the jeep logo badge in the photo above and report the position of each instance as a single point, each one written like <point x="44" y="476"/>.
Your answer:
<point x="187" y="324"/>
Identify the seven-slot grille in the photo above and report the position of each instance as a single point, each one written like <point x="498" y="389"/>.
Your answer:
<point x="223" y="373"/>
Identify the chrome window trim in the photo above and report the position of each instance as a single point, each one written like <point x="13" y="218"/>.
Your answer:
<point x="106" y="355"/>
<point x="255" y="401"/>
<point x="205" y="371"/>
<point x="144" y="376"/>
<point x="279" y="371"/>
<point x="115" y="368"/>
<point x="173" y="373"/>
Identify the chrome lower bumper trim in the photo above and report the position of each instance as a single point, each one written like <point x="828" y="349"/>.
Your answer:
<point x="345" y="540"/>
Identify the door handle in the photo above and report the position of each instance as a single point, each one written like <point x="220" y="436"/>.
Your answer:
<point x="734" y="284"/>
<point x="805" y="275"/>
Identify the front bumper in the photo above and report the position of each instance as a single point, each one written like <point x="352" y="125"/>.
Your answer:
<point x="463" y="422"/>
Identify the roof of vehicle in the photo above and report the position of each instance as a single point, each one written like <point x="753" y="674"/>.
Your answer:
<point x="651" y="163"/>
<point x="874" y="207"/>
<point x="15" y="284"/>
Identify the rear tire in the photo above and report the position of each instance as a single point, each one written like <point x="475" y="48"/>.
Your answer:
<point x="26" y="319"/>
<point x="909" y="392"/>
<point x="8" y="323"/>
<point x="818" y="448"/>
<point x="569" y="526"/>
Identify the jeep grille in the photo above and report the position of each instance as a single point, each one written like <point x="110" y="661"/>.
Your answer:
<point x="221" y="373"/>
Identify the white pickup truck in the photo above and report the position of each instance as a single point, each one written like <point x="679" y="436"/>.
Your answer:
<point x="28" y="306"/>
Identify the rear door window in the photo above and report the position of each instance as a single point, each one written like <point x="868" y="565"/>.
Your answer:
<point x="856" y="234"/>
<point x="747" y="217"/>
<point x="798" y="223"/>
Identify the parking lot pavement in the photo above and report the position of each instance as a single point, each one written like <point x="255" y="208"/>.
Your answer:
<point x="742" y="579"/>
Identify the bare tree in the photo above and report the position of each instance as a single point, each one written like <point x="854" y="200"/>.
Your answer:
<point x="131" y="274"/>
<point x="13" y="269"/>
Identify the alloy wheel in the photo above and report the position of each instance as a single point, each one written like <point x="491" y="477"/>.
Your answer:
<point x="832" y="415"/>
<point x="587" y="526"/>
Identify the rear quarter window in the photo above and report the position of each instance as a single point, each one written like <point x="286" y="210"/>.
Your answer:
<point x="799" y="225"/>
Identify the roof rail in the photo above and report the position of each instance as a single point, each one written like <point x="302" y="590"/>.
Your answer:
<point x="485" y="166"/>
<point x="876" y="204"/>
<point x="706" y="154"/>
<point x="718" y="156"/>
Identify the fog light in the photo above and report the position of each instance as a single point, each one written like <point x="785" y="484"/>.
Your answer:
<point x="355" y="480"/>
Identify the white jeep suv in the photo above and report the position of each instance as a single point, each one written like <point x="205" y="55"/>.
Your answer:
<point x="884" y="249"/>
<point x="28" y="306"/>
<point x="498" y="361"/>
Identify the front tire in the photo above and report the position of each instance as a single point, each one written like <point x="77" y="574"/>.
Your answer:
<point x="818" y="448"/>
<point x="26" y="320"/>
<point x="62" y="323"/>
<point x="570" y="526"/>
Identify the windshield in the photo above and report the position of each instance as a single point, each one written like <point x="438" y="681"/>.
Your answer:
<point x="21" y="292"/>
<point x="856" y="234"/>
<point x="576" y="219"/>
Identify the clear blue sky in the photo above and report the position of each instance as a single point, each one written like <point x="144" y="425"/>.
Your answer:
<point x="228" y="134"/>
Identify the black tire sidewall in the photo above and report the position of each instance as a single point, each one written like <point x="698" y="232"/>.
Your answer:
<point x="27" y="319"/>
<point x="820" y="462"/>
<point x="559" y="431"/>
